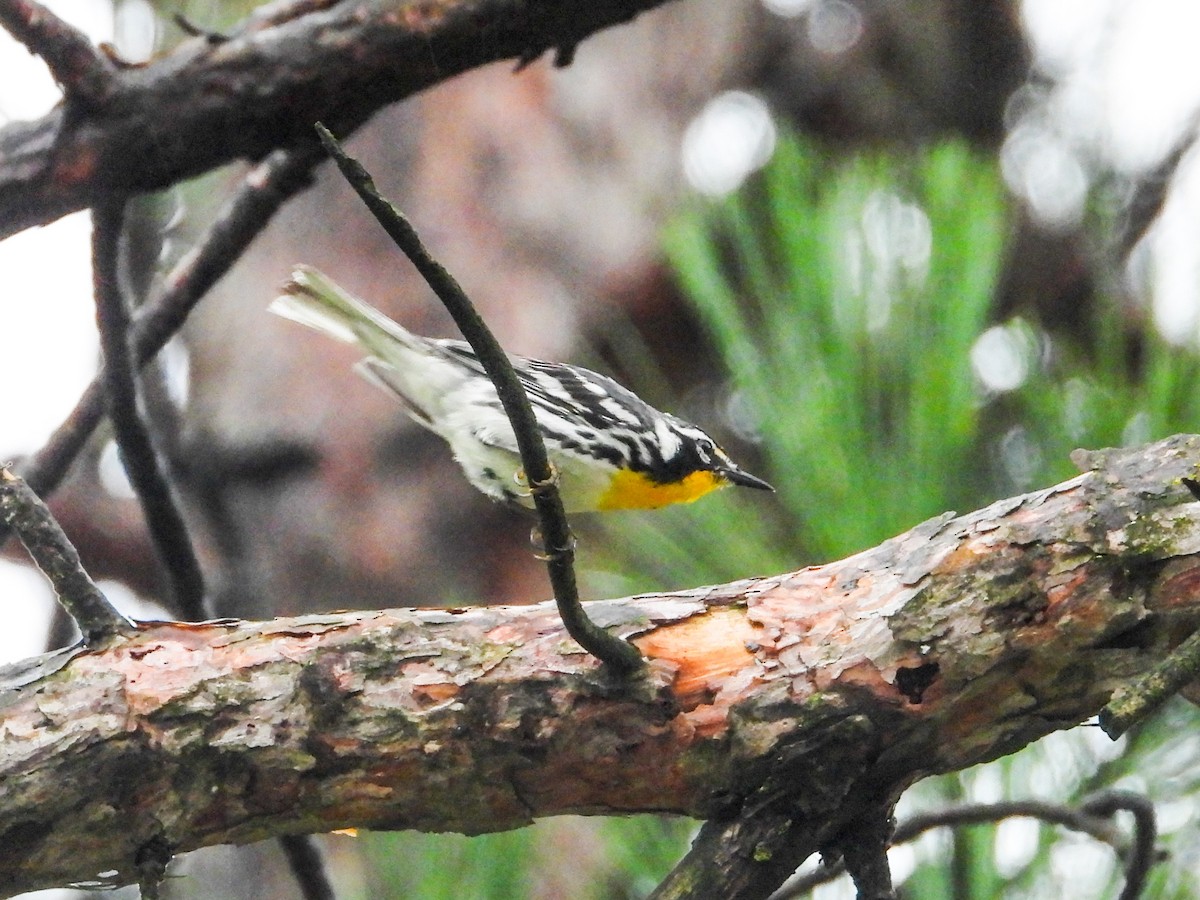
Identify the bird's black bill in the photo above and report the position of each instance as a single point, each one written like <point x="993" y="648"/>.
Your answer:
<point x="745" y="479"/>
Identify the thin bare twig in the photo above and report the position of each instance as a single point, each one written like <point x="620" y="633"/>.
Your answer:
<point x="1145" y="831"/>
<point x="163" y="518"/>
<point x="615" y="652"/>
<point x="263" y="191"/>
<point x="1089" y="818"/>
<point x="23" y="511"/>
<point x="81" y="70"/>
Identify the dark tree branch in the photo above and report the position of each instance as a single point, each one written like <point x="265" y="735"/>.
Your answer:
<point x="164" y="521"/>
<point x="151" y="868"/>
<point x="83" y="72"/>
<point x="23" y="512"/>
<point x="748" y="854"/>
<point x="782" y="709"/>
<point x="266" y="187"/>
<point x="264" y="190"/>
<point x="864" y="851"/>
<point x="205" y="103"/>
<point x="304" y="859"/>
<point x="620" y="655"/>
<point x="1089" y="818"/>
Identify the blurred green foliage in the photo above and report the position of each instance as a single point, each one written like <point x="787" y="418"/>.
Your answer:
<point x="847" y="323"/>
<point x="850" y="300"/>
<point x="567" y="858"/>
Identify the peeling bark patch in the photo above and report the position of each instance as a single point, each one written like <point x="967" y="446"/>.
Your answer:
<point x="912" y="681"/>
<point x="814" y="631"/>
<point x="433" y="692"/>
<point x="706" y="650"/>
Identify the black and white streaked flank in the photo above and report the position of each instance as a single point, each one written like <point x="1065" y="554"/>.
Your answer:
<point x="593" y="427"/>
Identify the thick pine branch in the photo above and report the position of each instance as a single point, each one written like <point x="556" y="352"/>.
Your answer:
<point x="783" y="708"/>
<point x="211" y="101"/>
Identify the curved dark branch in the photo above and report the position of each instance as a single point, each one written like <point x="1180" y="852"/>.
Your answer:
<point x="1089" y="818"/>
<point x="620" y="655"/>
<point x="1145" y="832"/>
<point x="207" y="103"/>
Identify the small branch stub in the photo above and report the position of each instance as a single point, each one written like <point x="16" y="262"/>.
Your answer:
<point x="1135" y="702"/>
<point x="24" y="512"/>
<point x="81" y="70"/>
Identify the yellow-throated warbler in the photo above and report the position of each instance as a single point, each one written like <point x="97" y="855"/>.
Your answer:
<point x="609" y="449"/>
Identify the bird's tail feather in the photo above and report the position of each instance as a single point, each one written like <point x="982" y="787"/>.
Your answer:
<point x="315" y="300"/>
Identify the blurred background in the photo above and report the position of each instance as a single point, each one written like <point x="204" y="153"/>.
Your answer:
<point x="901" y="256"/>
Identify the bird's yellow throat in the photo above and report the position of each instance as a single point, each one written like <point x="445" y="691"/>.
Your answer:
<point x="633" y="490"/>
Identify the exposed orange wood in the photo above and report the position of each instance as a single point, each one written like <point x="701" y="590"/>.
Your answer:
<point x="708" y="649"/>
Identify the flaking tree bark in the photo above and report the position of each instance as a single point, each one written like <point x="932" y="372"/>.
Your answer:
<point x="784" y="709"/>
